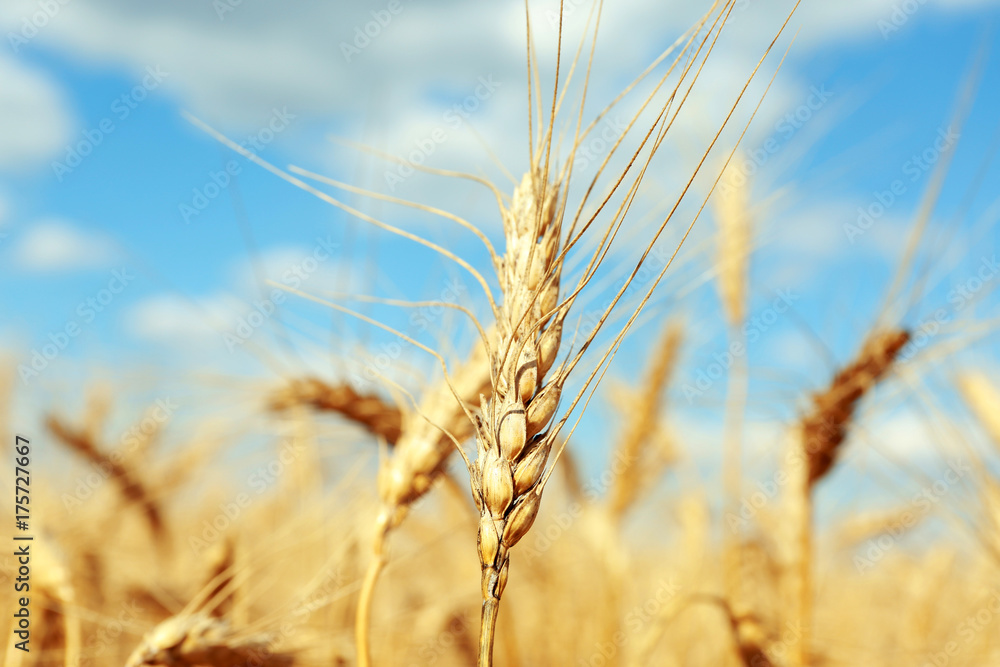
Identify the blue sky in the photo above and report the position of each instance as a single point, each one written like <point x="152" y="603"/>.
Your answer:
<point x="116" y="76"/>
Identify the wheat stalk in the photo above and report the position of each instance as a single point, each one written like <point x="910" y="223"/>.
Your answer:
<point x="732" y="213"/>
<point x="507" y="479"/>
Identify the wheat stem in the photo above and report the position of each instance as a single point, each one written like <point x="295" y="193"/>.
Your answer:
<point x="362" y="622"/>
<point x="493" y="583"/>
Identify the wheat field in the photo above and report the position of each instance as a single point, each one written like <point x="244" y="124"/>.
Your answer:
<point x="596" y="405"/>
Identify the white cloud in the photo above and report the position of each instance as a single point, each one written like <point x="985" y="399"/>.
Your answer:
<point x="236" y="67"/>
<point x="181" y="321"/>
<point x="315" y="269"/>
<point x="57" y="245"/>
<point x="34" y="121"/>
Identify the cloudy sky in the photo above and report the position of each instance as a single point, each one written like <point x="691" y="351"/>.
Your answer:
<point x="128" y="236"/>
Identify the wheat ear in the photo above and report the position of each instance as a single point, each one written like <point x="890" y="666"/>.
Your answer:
<point x="822" y="432"/>
<point x="637" y="465"/>
<point x="512" y="450"/>
<point x="131" y="486"/>
<point x="427" y="436"/>
<point x="732" y="212"/>
<point x="370" y="411"/>
<point x="200" y="640"/>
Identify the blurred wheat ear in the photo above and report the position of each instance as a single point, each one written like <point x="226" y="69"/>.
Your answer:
<point x="820" y="437"/>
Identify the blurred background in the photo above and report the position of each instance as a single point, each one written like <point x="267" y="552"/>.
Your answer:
<point x="142" y="259"/>
<point x="100" y="174"/>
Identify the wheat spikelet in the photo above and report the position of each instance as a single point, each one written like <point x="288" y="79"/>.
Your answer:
<point x="983" y="399"/>
<point x="370" y="411"/>
<point x="199" y="640"/>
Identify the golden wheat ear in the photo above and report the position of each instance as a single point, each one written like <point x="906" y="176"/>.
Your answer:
<point x="428" y="435"/>
<point x="816" y="446"/>
<point x="131" y="486"/>
<point x="199" y="640"/>
<point x="637" y="461"/>
<point x="378" y="417"/>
